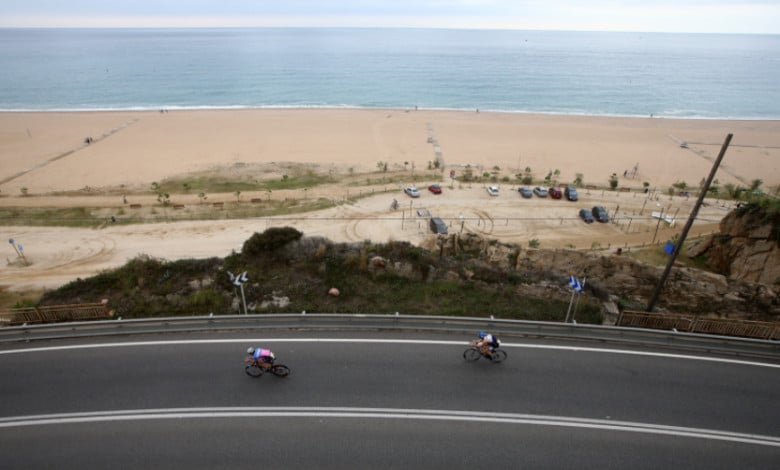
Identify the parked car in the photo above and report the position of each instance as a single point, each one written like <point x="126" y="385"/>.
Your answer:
<point x="555" y="193"/>
<point x="600" y="214"/>
<point x="412" y="191"/>
<point x="586" y="215"/>
<point x="525" y="191"/>
<point x="435" y="188"/>
<point x="438" y="226"/>
<point x="540" y="191"/>
<point x="571" y="193"/>
<point x="492" y="190"/>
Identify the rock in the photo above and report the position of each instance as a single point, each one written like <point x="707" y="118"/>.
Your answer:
<point x="611" y="312"/>
<point x="275" y="301"/>
<point x="712" y="282"/>
<point x="699" y="247"/>
<point x="377" y="263"/>
<point x="765" y="296"/>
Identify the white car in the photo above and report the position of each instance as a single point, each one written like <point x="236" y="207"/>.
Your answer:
<point x="492" y="190"/>
<point x="412" y="191"/>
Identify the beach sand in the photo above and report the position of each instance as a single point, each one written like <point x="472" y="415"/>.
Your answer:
<point x="45" y="155"/>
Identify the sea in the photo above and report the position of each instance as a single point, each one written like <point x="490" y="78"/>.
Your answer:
<point x="710" y="76"/>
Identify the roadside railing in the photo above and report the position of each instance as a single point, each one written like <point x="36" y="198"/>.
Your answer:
<point x="56" y="313"/>
<point x="464" y="327"/>
<point x="695" y="324"/>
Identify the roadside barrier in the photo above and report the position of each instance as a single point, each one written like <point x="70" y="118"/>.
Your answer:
<point x="56" y="313"/>
<point x="465" y="327"/>
<point x="696" y="324"/>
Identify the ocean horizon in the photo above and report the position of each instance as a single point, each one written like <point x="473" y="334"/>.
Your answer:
<point x="667" y="75"/>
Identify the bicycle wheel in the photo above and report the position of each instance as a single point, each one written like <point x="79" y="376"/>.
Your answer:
<point x="471" y="354"/>
<point x="280" y="370"/>
<point x="498" y="356"/>
<point x="253" y="370"/>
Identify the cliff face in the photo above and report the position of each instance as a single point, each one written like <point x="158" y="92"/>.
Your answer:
<point x="622" y="280"/>
<point x="747" y="247"/>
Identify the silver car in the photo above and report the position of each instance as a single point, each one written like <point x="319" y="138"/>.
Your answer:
<point x="540" y="191"/>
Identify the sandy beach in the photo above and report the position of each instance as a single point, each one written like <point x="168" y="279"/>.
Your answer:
<point x="43" y="155"/>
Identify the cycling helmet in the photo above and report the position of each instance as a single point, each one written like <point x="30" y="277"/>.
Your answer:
<point x="250" y="351"/>
<point x="481" y="334"/>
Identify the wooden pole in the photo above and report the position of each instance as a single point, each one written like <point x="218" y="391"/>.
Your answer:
<point x="689" y="224"/>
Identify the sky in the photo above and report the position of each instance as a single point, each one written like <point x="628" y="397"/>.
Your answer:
<point x="696" y="16"/>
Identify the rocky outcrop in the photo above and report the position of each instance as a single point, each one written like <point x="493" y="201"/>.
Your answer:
<point x="747" y="247"/>
<point x="609" y="276"/>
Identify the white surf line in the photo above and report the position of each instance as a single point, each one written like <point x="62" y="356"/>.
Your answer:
<point x="385" y="413"/>
<point x="387" y="341"/>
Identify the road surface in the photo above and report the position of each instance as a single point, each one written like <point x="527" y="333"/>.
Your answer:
<point x="378" y="400"/>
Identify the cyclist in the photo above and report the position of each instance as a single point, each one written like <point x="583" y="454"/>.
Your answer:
<point x="262" y="357"/>
<point x="487" y="343"/>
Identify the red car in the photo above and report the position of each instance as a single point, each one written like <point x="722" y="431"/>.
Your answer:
<point x="555" y="193"/>
<point x="435" y="188"/>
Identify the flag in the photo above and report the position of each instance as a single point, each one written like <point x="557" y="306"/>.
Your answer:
<point x="575" y="284"/>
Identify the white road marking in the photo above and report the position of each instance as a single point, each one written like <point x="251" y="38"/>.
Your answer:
<point x="386" y="413"/>
<point x="388" y="341"/>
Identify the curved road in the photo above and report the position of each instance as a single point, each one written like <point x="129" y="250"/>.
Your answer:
<point x="379" y="400"/>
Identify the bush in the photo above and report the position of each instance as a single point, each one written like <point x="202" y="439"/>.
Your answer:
<point x="270" y="240"/>
<point x="207" y="301"/>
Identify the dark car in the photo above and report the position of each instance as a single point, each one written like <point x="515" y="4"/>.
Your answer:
<point x="571" y="193"/>
<point x="525" y="191"/>
<point x="435" y="188"/>
<point x="600" y="214"/>
<point x="555" y="193"/>
<point x="586" y="215"/>
<point x="438" y="226"/>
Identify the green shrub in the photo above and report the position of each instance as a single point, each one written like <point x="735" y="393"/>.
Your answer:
<point x="270" y="240"/>
<point x="206" y="301"/>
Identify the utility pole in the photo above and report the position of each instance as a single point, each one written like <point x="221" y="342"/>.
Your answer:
<point x="689" y="224"/>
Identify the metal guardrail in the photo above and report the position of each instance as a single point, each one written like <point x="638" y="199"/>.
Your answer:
<point x="607" y="335"/>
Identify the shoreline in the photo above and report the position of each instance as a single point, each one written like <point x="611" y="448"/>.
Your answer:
<point x="394" y="109"/>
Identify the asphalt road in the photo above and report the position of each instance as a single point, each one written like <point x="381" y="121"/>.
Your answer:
<point x="352" y="404"/>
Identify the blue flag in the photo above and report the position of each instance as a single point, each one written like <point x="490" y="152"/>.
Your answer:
<point x="575" y="284"/>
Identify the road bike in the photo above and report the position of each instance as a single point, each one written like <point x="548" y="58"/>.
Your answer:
<point x="473" y="353"/>
<point x="253" y="369"/>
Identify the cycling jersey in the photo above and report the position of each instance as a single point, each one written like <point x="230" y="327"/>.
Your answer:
<point x="264" y="355"/>
<point x="492" y="341"/>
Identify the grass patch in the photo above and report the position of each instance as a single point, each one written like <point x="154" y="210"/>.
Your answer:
<point x="211" y="184"/>
<point x="98" y="216"/>
<point x="15" y="299"/>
